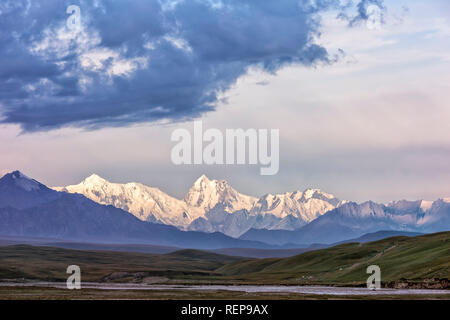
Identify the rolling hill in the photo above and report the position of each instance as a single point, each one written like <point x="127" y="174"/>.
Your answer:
<point x="50" y="264"/>
<point x="415" y="259"/>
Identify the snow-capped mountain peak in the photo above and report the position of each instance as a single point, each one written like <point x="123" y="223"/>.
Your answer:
<point x="22" y="181"/>
<point x="205" y="194"/>
<point x="317" y="194"/>
<point x="426" y="205"/>
<point x="306" y="205"/>
<point x="95" y="179"/>
<point x="146" y="203"/>
<point x="309" y="193"/>
<point x="201" y="181"/>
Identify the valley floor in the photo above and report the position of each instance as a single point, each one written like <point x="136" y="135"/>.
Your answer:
<point x="46" y="293"/>
<point x="417" y="263"/>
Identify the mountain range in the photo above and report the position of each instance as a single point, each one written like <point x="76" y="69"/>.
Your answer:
<point x="209" y="205"/>
<point x="30" y="209"/>
<point x="212" y="215"/>
<point x="353" y="220"/>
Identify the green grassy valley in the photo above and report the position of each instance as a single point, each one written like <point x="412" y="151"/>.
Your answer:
<point x="417" y="260"/>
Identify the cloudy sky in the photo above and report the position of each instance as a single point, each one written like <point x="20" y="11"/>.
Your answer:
<point x="362" y="107"/>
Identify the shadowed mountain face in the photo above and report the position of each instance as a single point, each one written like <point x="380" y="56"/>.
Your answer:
<point x="20" y="192"/>
<point x="30" y="209"/>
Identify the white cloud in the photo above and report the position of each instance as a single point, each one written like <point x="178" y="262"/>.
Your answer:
<point x="179" y="43"/>
<point x="110" y="62"/>
<point x="92" y="57"/>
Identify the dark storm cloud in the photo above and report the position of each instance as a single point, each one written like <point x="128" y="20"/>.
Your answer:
<point x="143" y="60"/>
